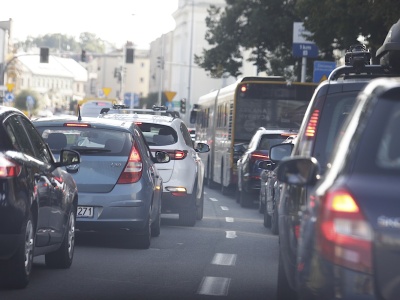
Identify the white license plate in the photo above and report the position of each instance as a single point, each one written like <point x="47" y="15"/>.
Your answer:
<point x="85" y="212"/>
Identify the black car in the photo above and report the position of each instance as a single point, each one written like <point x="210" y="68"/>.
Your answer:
<point x="350" y="239"/>
<point x="322" y="123"/>
<point x="38" y="201"/>
<point x="247" y="166"/>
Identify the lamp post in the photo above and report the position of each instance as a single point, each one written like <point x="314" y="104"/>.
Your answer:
<point x="189" y="98"/>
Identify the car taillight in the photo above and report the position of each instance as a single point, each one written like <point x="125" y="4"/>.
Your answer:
<point x="8" y="168"/>
<point x="176" y="154"/>
<point x="344" y="235"/>
<point x="312" y="124"/>
<point x="133" y="169"/>
<point x="258" y="156"/>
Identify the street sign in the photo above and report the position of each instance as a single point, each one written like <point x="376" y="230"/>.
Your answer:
<point x="106" y="91"/>
<point x="301" y="46"/>
<point x="9" y="97"/>
<point x="10" y="86"/>
<point x="131" y="99"/>
<point x="322" y="69"/>
<point x="170" y="95"/>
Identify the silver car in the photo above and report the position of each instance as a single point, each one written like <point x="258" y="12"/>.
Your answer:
<point x="183" y="176"/>
<point x="119" y="186"/>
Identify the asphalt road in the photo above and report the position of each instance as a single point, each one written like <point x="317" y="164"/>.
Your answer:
<point x="227" y="255"/>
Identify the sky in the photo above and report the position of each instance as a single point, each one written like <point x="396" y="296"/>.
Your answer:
<point x="115" y="21"/>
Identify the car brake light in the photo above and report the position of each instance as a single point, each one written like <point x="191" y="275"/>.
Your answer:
<point x="258" y="156"/>
<point x="133" y="169"/>
<point x="176" y="154"/>
<point x="9" y="169"/>
<point x="312" y="124"/>
<point x="77" y="125"/>
<point x="344" y="235"/>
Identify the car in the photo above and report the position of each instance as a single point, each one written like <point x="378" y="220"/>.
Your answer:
<point x="92" y="108"/>
<point x="248" y="187"/>
<point x="192" y="132"/>
<point x="322" y="125"/>
<point x="38" y="202"/>
<point x="270" y="190"/>
<point x="183" y="176"/>
<point x="349" y="230"/>
<point x="118" y="181"/>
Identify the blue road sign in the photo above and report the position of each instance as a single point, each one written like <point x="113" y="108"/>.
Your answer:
<point x="305" y="50"/>
<point x="322" y="69"/>
<point x="9" y="97"/>
<point x="131" y="98"/>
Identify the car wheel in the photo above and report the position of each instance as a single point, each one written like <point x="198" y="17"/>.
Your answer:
<point x="244" y="199"/>
<point x="200" y="208"/>
<point x="156" y="225"/>
<point x="283" y="290"/>
<point x="261" y="205"/>
<point x="274" y="222"/>
<point x="142" y="241"/>
<point x="62" y="257"/>
<point x="16" y="271"/>
<point x="267" y="219"/>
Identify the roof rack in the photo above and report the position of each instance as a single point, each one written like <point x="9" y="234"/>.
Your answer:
<point x="155" y="110"/>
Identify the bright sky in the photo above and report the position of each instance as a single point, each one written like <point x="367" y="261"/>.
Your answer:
<point x="115" y="21"/>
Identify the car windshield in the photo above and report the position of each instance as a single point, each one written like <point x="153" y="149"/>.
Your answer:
<point x="268" y="140"/>
<point x="87" y="140"/>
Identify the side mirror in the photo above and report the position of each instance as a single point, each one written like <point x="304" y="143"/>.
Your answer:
<point x="280" y="151"/>
<point x="69" y="159"/>
<point x="202" y="148"/>
<point x="266" y="165"/>
<point x="298" y="171"/>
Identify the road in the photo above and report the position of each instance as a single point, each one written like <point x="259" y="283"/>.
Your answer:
<point x="227" y="255"/>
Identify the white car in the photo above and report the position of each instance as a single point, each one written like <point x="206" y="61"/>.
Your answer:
<point x="183" y="176"/>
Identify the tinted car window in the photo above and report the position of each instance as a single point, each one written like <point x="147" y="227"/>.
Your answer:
<point x="15" y="128"/>
<point x="268" y="140"/>
<point x="158" y="135"/>
<point x="186" y="135"/>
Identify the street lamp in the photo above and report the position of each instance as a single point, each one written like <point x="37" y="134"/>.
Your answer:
<point x="189" y="98"/>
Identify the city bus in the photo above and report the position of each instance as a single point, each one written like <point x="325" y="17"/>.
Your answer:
<point x="227" y="118"/>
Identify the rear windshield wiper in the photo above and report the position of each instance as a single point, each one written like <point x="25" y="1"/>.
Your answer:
<point x="90" y="150"/>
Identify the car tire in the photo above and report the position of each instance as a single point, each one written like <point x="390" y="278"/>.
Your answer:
<point x="261" y="205"/>
<point x="274" y="222"/>
<point x="63" y="256"/>
<point x="142" y="241"/>
<point x="156" y="225"/>
<point x="15" y="272"/>
<point x="267" y="219"/>
<point x="200" y="207"/>
<point x="283" y="290"/>
<point x="244" y="199"/>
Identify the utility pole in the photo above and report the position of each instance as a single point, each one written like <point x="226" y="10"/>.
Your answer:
<point x="161" y="66"/>
<point x="189" y="97"/>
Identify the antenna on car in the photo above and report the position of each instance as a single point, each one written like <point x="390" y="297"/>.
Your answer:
<point x="79" y="113"/>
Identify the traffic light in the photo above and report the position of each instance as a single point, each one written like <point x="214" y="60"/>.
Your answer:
<point x="83" y="55"/>
<point x="129" y="57"/>
<point x="44" y="55"/>
<point x="160" y="62"/>
<point x="183" y="106"/>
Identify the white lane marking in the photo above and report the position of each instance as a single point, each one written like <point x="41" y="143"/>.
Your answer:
<point x="224" y="208"/>
<point x="216" y="286"/>
<point x="224" y="259"/>
<point x="231" y="234"/>
<point x="213" y="199"/>
<point x="229" y="219"/>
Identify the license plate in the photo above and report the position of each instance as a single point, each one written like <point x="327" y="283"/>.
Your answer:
<point x="85" y="212"/>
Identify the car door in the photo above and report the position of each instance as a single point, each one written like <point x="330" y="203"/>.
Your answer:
<point x="56" y="211"/>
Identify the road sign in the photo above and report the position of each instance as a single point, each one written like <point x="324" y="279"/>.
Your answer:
<point x="106" y="91"/>
<point x="9" y="97"/>
<point x="170" y="95"/>
<point x="301" y="46"/>
<point x="131" y="99"/>
<point x="322" y="69"/>
<point x="10" y="86"/>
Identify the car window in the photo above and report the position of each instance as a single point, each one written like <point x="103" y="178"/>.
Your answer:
<point x="335" y="110"/>
<point x="268" y="140"/>
<point x="186" y="135"/>
<point x="388" y="156"/>
<point x="158" y="135"/>
<point x="88" y="141"/>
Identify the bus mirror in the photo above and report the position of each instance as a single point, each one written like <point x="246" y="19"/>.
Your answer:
<point x="193" y="116"/>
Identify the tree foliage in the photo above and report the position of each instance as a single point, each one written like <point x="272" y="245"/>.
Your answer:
<point x="265" y="27"/>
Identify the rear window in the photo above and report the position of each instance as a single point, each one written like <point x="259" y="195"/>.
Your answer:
<point x="334" y="112"/>
<point x="158" y="135"/>
<point x="268" y="140"/>
<point x="88" y="141"/>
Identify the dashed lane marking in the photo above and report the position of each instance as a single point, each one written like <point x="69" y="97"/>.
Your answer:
<point x="224" y="259"/>
<point x="229" y="219"/>
<point x="215" y="286"/>
<point x="213" y="199"/>
<point x="231" y="234"/>
<point x="224" y="208"/>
